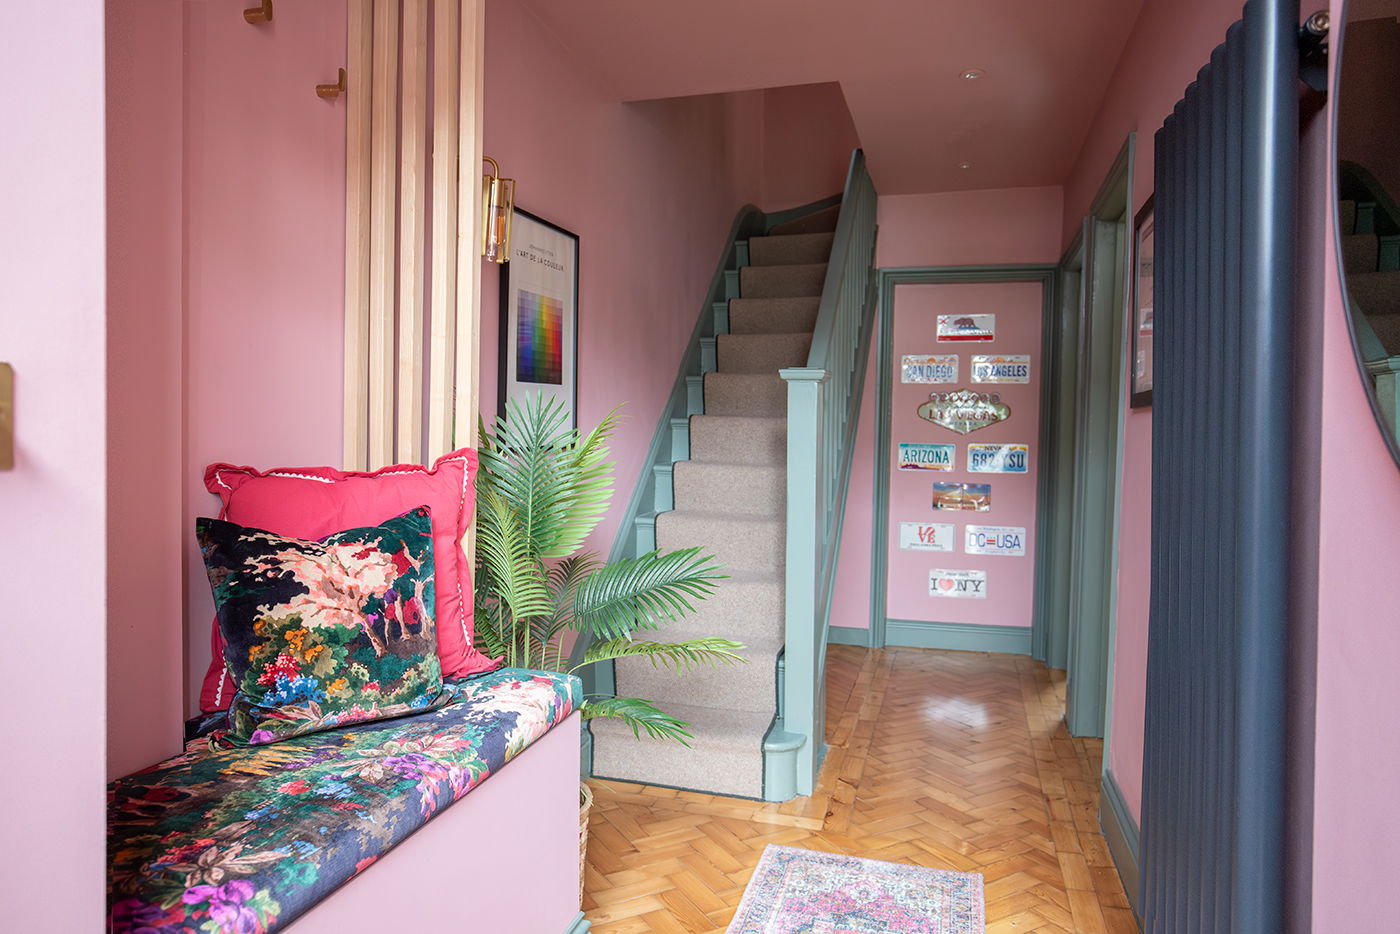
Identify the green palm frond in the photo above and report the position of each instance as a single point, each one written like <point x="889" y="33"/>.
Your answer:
<point x="682" y="656"/>
<point x="560" y="485"/>
<point x="516" y="580"/>
<point x="591" y="475"/>
<point x="639" y="715"/>
<point x="643" y="591"/>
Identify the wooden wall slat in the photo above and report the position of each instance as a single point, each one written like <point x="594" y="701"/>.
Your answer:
<point x="468" y="384"/>
<point x="442" y="341"/>
<point x="384" y="148"/>
<point x="359" y="60"/>
<point x="412" y="191"/>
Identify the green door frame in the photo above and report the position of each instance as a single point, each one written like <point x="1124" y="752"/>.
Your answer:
<point x="1100" y="412"/>
<point x="943" y="635"/>
<point x="1058" y="419"/>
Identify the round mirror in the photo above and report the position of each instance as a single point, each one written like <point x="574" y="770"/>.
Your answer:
<point x="1366" y="99"/>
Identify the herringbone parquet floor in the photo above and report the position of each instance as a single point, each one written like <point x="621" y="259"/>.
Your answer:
<point x="956" y="760"/>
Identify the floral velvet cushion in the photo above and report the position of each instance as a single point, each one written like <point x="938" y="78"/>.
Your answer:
<point x="313" y="502"/>
<point x="323" y="634"/>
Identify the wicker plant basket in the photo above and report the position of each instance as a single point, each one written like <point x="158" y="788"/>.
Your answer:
<point x="585" y="796"/>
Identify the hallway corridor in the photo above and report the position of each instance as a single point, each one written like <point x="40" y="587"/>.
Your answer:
<point x="954" y="760"/>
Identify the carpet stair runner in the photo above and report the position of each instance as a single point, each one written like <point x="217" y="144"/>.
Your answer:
<point x="730" y="499"/>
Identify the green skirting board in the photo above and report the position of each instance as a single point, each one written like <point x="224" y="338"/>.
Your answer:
<point x="964" y="637"/>
<point x="1121" y="832"/>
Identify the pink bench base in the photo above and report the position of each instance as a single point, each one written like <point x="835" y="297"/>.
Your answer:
<point x="508" y="851"/>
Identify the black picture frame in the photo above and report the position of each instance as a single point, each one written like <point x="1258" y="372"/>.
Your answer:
<point x="545" y="258"/>
<point x="1140" y="322"/>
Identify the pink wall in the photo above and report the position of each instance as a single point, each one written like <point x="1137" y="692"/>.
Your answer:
<point x="1170" y="42"/>
<point x="808" y="137"/>
<point x="145" y="618"/>
<point x="1010" y="579"/>
<point x="53" y="505"/>
<point x="971" y="228"/>
<point x="264" y="208"/>
<point x="1356" y="817"/>
<point x="651" y="189"/>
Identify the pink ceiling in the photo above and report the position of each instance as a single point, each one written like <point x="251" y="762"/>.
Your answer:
<point x="1046" y="63"/>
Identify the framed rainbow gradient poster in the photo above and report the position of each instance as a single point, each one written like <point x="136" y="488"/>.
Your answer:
<point x="539" y="314"/>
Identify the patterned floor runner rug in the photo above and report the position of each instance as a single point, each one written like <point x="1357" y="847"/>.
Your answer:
<point x="796" y="891"/>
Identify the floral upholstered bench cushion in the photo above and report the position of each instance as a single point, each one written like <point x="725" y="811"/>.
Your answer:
<point x="245" y="840"/>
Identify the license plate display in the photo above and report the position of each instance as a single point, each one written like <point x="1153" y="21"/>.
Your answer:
<point x="967" y="327"/>
<point x="926" y="456"/>
<point x="998" y="458"/>
<point x="964" y="584"/>
<point x="995" y="540"/>
<point x="1007" y="369"/>
<point x="928" y="368"/>
<point x="967" y="497"/>
<point x="926" y="536"/>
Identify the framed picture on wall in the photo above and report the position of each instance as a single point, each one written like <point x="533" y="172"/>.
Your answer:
<point x="1140" y="377"/>
<point x="539" y="315"/>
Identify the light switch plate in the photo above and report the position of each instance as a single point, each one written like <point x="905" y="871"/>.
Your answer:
<point x="7" y="417"/>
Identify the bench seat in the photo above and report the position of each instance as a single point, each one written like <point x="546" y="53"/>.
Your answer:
<point x="250" y="839"/>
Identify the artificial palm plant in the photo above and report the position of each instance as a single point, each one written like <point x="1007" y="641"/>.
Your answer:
<point x="541" y="488"/>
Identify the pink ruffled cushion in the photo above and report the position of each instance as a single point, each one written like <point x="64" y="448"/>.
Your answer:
<point x="314" y="502"/>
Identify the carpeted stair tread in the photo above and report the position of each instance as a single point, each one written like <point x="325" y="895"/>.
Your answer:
<point x="773" y="315"/>
<point x="819" y="222"/>
<point x="725" y="757"/>
<point x="1375" y="293"/>
<point x="761" y="394"/>
<point x="746" y="605"/>
<point x="758" y="544"/>
<point x="1387" y="328"/>
<point x="790" y="250"/>
<point x="1360" y="252"/>
<point x="745" y="489"/>
<point x="742" y="686"/>
<point x="761" y="353"/>
<point x="782" y="281"/>
<point x="738" y="439"/>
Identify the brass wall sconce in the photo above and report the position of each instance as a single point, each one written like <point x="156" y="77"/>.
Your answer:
<point x="332" y="90"/>
<point x="497" y="210"/>
<point x="259" y="14"/>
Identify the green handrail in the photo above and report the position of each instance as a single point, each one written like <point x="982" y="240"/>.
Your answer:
<point x="823" y="400"/>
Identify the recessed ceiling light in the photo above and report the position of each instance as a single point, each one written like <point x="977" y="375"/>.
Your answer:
<point x="964" y="165"/>
<point x="973" y="73"/>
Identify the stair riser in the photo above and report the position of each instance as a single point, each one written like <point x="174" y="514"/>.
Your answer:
<point x="772" y="315"/>
<point x="819" y="222"/>
<point x="746" y="490"/>
<point x="756" y="395"/>
<point x="739" y="687"/>
<point x="738" y="441"/>
<point x="761" y="353"/>
<point x="781" y="281"/>
<point x="791" y="250"/>
<point x="735" y="770"/>
<point x="751" y="545"/>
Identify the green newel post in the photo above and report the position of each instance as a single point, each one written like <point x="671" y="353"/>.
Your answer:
<point x="803" y="690"/>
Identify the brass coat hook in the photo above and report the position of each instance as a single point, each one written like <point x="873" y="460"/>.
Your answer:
<point x="332" y="90"/>
<point x="259" y="14"/>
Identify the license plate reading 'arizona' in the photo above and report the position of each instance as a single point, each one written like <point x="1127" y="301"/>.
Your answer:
<point x="926" y="456"/>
